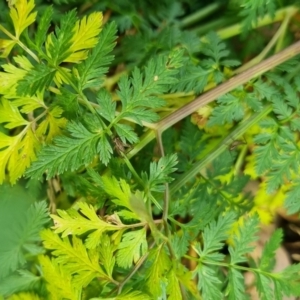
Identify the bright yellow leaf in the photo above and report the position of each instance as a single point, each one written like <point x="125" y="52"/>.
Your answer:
<point x="12" y="75"/>
<point x="24" y="296"/>
<point x="9" y="142"/>
<point x="5" y="47"/>
<point x="250" y="168"/>
<point x="28" y="104"/>
<point x="85" y="37"/>
<point x="59" y="281"/>
<point x="22" y="155"/>
<point x="20" y="13"/>
<point x="52" y="125"/>
<point x="5" y="140"/>
<point x="17" y="156"/>
<point x="63" y="75"/>
<point x="10" y="115"/>
<point x="266" y="204"/>
<point x="173" y="287"/>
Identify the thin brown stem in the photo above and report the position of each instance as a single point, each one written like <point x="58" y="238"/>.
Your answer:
<point x="216" y="92"/>
<point x="228" y="86"/>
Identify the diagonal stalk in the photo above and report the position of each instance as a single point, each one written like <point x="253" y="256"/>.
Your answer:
<point x="239" y="131"/>
<point x="215" y="93"/>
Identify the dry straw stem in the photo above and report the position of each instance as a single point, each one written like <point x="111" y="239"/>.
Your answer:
<point x="211" y="95"/>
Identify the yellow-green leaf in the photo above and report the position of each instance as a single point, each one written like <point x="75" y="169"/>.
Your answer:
<point x="28" y="104"/>
<point x="173" y="288"/>
<point x="133" y="246"/>
<point x="85" y="222"/>
<point x="5" y="47"/>
<point x="10" y="115"/>
<point x="17" y="153"/>
<point x="24" y="296"/>
<point x="52" y="125"/>
<point x="156" y="274"/>
<point x="59" y="281"/>
<point x="74" y="257"/>
<point x="7" y="142"/>
<point x="12" y="75"/>
<point x="22" y="155"/>
<point x="85" y="36"/>
<point x="121" y="192"/>
<point x="63" y="75"/>
<point x="20" y="13"/>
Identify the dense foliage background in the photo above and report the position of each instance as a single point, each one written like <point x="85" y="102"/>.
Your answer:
<point x="143" y="144"/>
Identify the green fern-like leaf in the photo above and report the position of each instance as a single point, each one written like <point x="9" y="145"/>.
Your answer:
<point x="252" y="10"/>
<point x="21" y="280"/>
<point x="236" y="286"/>
<point x="138" y="97"/>
<point x="292" y="202"/>
<point x="22" y="241"/>
<point x="214" y="236"/>
<point x="59" y="43"/>
<point x="229" y="110"/>
<point x="68" y="153"/>
<point x="37" y="80"/>
<point x="159" y="173"/>
<point x="208" y="282"/>
<point x="242" y="241"/>
<point x="42" y="29"/>
<point x="267" y="259"/>
<point x="91" y="71"/>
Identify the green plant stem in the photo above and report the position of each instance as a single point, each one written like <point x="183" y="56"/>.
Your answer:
<point x="222" y="264"/>
<point x="228" y="86"/>
<point x="240" y="160"/>
<point x="176" y="222"/>
<point x="213" y="94"/>
<point x="237" y="267"/>
<point x="145" y="140"/>
<point x="285" y="23"/>
<point x="239" y="131"/>
<point x="132" y="170"/>
<point x="276" y="37"/>
<point x="200" y="14"/>
<point x="17" y="41"/>
<point x="215" y="25"/>
<point x="142" y="224"/>
<point x="237" y="29"/>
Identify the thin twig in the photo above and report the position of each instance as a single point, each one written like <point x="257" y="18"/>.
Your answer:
<point x="134" y="270"/>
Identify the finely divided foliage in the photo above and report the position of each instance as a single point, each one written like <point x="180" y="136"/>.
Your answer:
<point x="78" y="106"/>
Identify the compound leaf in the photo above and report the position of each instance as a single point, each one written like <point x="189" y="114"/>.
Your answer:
<point x="85" y="220"/>
<point x="67" y="153"/>
<point x="59" y="281"/>
<point x="23" y="241"/>
<point x="22" y="16"/>
<point x="132" y="247"/>
<point x="91" y="71"/>
<point x="85" y="36"/>
<point x="74" y="257"/>
<point x="159" y="267"/>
